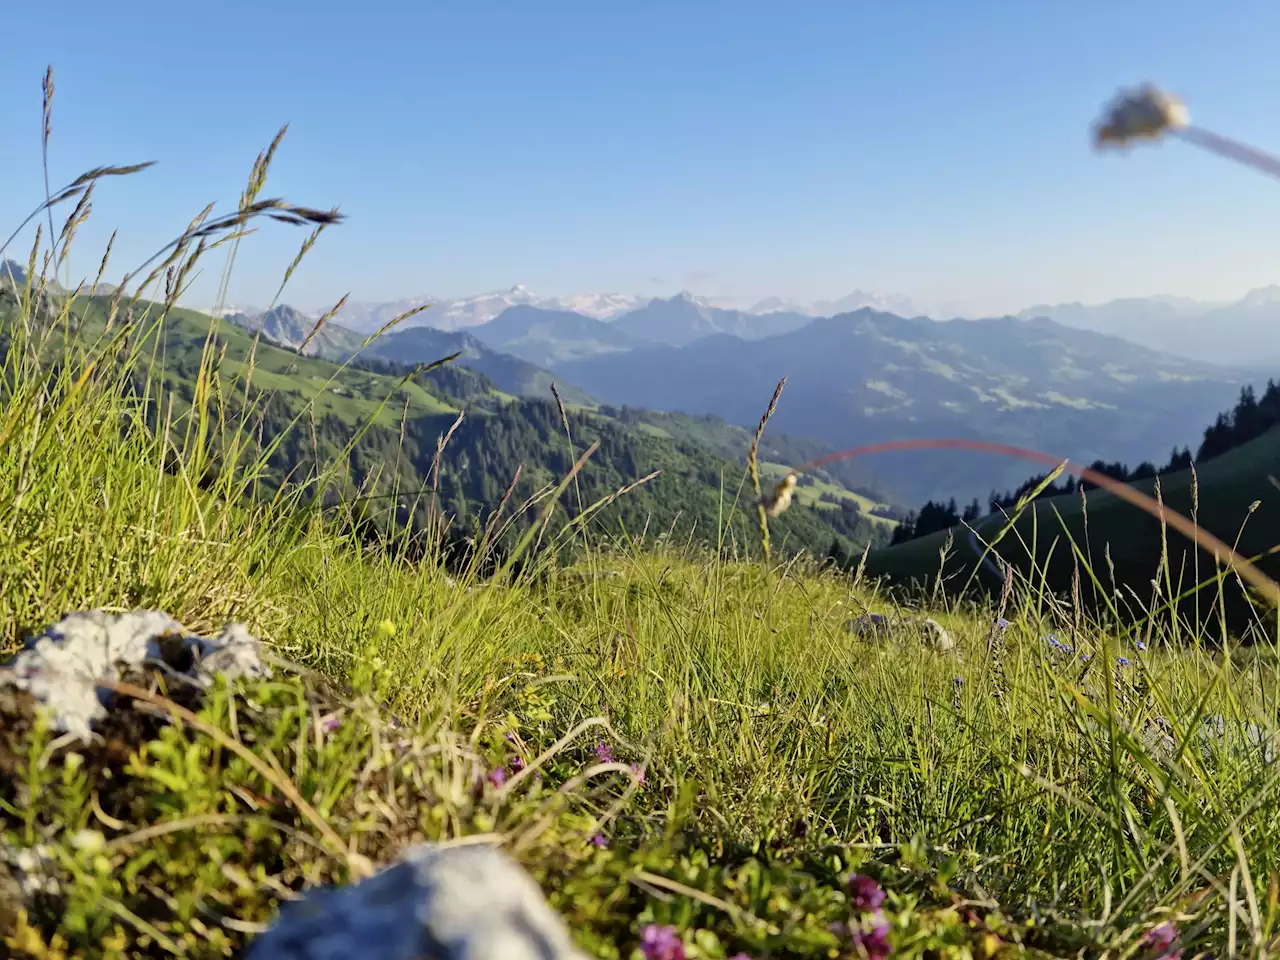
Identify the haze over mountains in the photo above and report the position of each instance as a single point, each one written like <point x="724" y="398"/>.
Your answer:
<point x="1242" y="331"/>
<point x="865" y="377"/>
<point x="1230" y="332"/>
<point x="860" y="376"/>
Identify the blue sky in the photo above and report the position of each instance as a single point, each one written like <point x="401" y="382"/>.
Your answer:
<point x="929" y="148"/>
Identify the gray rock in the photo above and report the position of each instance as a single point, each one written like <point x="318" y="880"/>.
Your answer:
<point x="876" y="625"/>
<point x="62" y="667"/>
<point x="934" y="635"/>
<point x="869" y="625"/>
<point x="468" y="902"/>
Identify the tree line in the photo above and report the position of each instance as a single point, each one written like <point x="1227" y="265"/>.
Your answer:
<point x="1250" y="418"/>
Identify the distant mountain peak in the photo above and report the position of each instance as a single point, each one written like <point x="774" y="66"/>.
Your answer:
<point x="1262" y="296"/>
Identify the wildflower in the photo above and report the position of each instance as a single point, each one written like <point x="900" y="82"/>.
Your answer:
<point x="661" y="943"/>
<point x="1140" y="645"/>
<point x="599" y="840"/>
<point x="777" y="500"/>
<point x="1123" y="661"/>
<point x="1058" y="645"/>
<point x="497" y="777"/>
<point x="875" y="940"/>
<point x="1161" y="936"/>
<point x="604" y="753"/>
<point x="864" y="893"/>
<point x="1142" y="114"/>
<point x="958" y="681"/>
<point x="741" y="956"/>
<point x="517" y="764"/>
<point x="1002" y="625"/>
<point x="638" y="772"/>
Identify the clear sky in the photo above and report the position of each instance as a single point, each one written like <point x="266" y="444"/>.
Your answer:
<point x="932" y="148"/>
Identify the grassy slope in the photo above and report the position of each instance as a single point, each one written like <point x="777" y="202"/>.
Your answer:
<point x="779" y="751"/>
<point x="1220" y="501"/>
<point x="354" y="396"/>
<point x="997" y="792"/>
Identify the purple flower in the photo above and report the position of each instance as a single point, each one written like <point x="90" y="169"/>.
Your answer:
<point x="517" y="764"/>
<point x="1161" y="936"/>
<point x="604" y="753"/>
<point x="864" y="893"/>
<point x="1123" y="661"/>
<point x="1140" y="645"/>
<point x="599" y="840"/>
<point x="497" y="777"/>
<point x="638" y="773"/>
<point x="874" y="940"/>
<point x="1002" y="624"/>
<point x="1059" y="645"/>
<point x="661" y="943"/>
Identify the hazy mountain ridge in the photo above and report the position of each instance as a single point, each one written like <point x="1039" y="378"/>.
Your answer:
<point x="868" y="377"/>
<point x="1237" y="332"/>
<point x="545" y="336"/>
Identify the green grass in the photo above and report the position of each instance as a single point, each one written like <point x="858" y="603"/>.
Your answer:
<point x="1232" y="496"/>
<point x="1014" y="801"/>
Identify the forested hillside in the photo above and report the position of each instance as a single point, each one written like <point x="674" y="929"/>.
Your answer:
<point x="289" y="418"/>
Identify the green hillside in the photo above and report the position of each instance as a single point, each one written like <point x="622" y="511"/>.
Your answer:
<point x="392" y="426"/>
<point x="1233" y="496"/>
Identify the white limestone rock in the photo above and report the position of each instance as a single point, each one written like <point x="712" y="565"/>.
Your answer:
<point x="468" y="902"/>
<point x="62" y="667"/>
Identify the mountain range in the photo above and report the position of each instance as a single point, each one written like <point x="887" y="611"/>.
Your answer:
<point x="855" y="377"/>
<point x="1240" y="332"/>
<point x="867" y="376"/>
<point x="466" y="312"/>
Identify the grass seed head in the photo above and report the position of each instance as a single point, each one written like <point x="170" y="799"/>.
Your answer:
<point x="777" y="500"/>
<point x="1146" y="113"/>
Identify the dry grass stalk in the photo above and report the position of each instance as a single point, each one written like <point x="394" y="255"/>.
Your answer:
<point x="753" y="466"/>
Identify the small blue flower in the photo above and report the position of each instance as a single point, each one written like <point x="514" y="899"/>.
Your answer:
<point x="1057" y="644"/>
<point x="1123" y="661"/>
<point x="1002" y="624"/>
<point x="1140" y="645"/>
